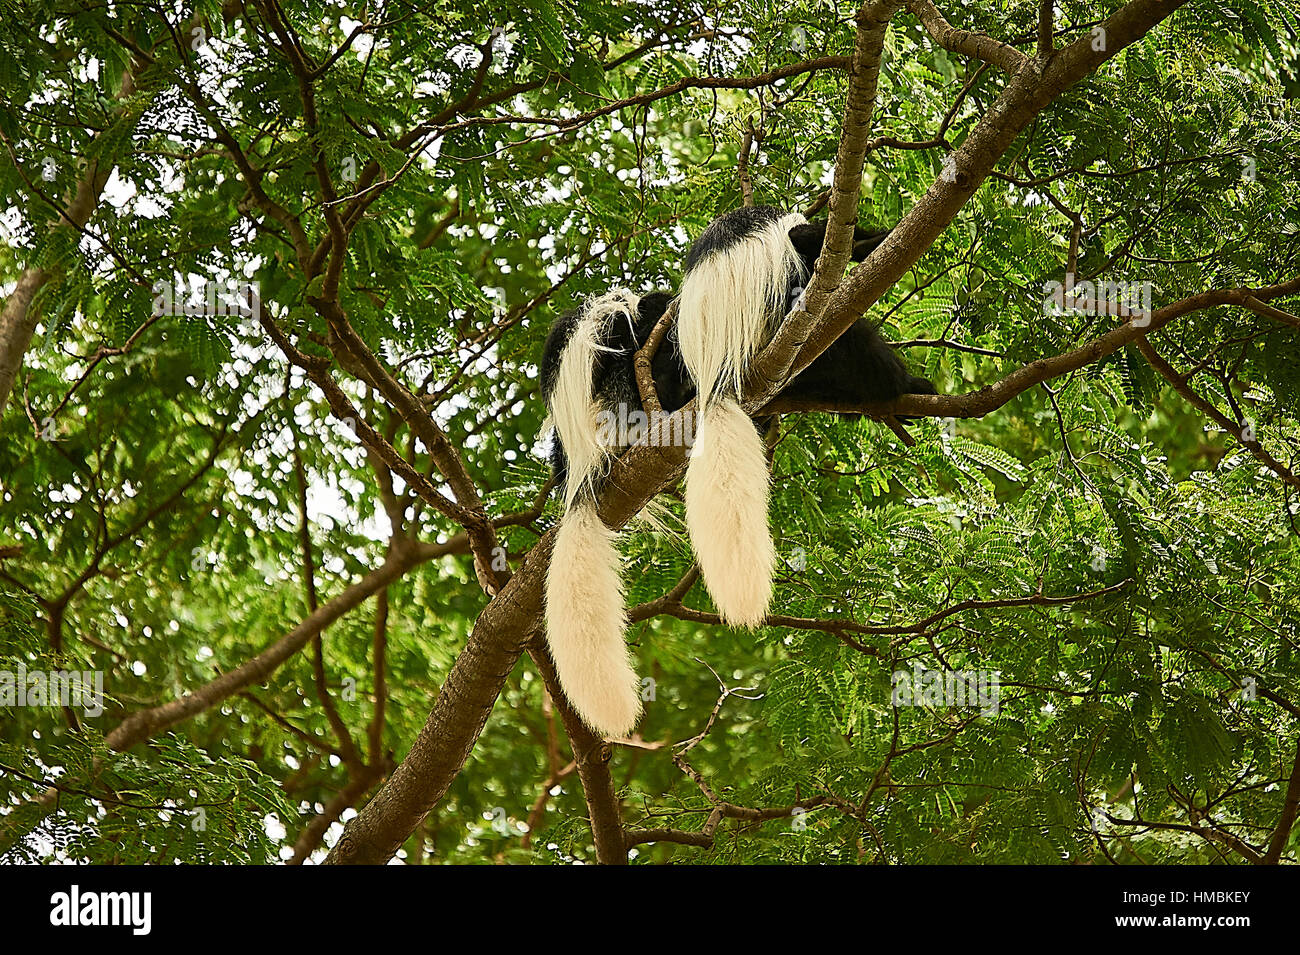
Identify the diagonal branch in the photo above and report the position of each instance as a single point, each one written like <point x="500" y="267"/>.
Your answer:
<point x="592" y="756"/>
<point x="965" y="42"/>
<point x="1237" y="429"/>
<point x="975" y="404"/>
<point x="864" y="78"/>
<point x="142" y="724"/>
<point x="18" y="319"/>
<point x="403" y="556"/>
<point x="1029" y="91"/>
<point x="1289" y="810"/>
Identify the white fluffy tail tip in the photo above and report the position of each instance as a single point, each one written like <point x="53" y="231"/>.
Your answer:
<point x="726" y="514"/>
<point x="585" y="620"/>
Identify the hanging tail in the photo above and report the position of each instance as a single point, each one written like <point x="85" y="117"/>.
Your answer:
<point x="733" y="297"/>
<point x="585" y="619"/>
<point x="585" y="613"/>
<point x="726" y="513"/>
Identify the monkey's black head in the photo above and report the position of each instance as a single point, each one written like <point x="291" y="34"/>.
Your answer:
<point x="740" y="224"/>
<point x="808" y="238"/>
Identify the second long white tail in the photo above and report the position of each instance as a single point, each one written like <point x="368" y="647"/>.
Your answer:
<point x="726" y="513"/>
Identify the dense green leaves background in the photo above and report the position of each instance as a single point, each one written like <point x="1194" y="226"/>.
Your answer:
<point x="153" y="495"/>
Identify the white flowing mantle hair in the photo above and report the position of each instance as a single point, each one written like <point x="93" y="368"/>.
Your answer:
<point x="573" y="406"/>
<point x="728" y="300"/>
<point x="731" y="303"/>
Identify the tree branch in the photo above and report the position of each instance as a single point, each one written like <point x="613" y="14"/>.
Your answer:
<point x="1236" y="429"/>
<point x="1289" y="809"/>
<point x="965" y="42"/>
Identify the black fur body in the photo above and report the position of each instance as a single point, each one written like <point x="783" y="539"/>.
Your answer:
<point x="858" y="368"/>
<point x="614" y="375"/>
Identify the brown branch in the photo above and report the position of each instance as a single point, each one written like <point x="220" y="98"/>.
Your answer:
<point x="670" y="605"/>
<point x="379" y="653"/>
<point x="669" y="601"/>
<point x="975" y="404"/>
<point x="18" y="320"/>
<point x="142" y="724"/>
<point x="279" y="719"/>
<point x="643" y="364"/>
<point x="721" y="808"/>
<point x="538" y="811"/>
<point x="702" y="839"/>
<point x="592" y="755"/>
<point x="1209" y="833"/>
<point x="457" y="717"/>
<point x="442" y="225"/>
<point x="804" y="336"/>
<point x="353" y="353"/>
<point x="864" y="78"/>
<point x="1236" y="429"/>
<point x="251" y="175"/>
<point x="1046" y="27"/>
<point x="57" y="606"/>
<point x="402" y="557"/>
<point x="1270" y="311"/>
<point x="642" y="99"/>
<point x="742" y="165"/>
<point x="318" y="371"/>
<point x="303" y="68"/>
<point x="725" y="810"/>
<point x="1289" y="809"/>
<point x="1263" y="691"/>
<point x="312" y="834"/>
<point x="368" y="191"/>
<point x="965" y="42"/>
<point x="102" y="352"/>
<point x="494" y="333"/>
<point x="941" y="137"/>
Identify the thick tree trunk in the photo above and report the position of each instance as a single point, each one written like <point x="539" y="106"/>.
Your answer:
<point x="500" y="636"/>
<point x="17" y="325"/>
<point x="459" y="714"/>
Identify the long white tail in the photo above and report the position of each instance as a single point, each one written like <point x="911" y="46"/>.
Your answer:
<point x="585" y="620"/>
<point x="585" y="613"/>
<point x="726" y="513"/>
<point x="731" y="302"/>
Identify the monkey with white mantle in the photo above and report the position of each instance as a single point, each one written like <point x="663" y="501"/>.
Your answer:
<point x="742" y="275"/>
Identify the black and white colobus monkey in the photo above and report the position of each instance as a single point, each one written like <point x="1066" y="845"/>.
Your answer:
<point x="742" y="276"/>
<point x="588" y="369"/>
